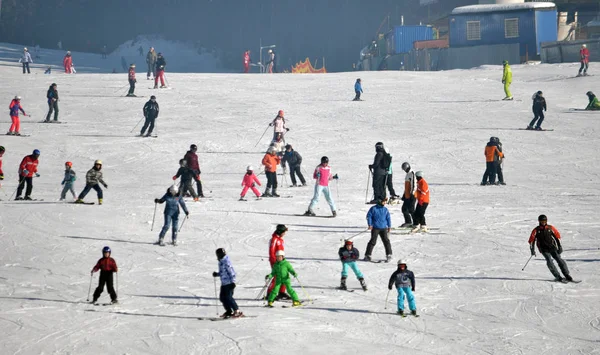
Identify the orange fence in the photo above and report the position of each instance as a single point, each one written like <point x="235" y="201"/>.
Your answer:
<point x="305" y="67"/>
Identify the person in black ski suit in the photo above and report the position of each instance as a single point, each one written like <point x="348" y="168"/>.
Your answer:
<point x="547" y="239"/>
<point x="379" y="171"/>
<point x="293" y="159"/>
<point x="52" y="96"/>
<point x="539" y="106"/>
<point x="151" y="113"/>
<point x="185" y="184"/>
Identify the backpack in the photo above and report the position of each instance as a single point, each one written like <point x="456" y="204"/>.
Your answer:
<point x="386" y="162"/>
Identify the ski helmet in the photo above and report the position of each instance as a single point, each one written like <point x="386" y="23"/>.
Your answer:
<point x="220" y="253"/>
<point x="69" y="164"/>
<point x="589" y="93"/>
<point x="25" y="49"/>
<point x="173" y="190"/>
<point x="17" y="97"/>
<point x="505" y="62"/>
<point x="132" y="65"/>
<point x="280" y="253"/>
<point x="69" y="52"/>
<point x="2" y="150"/>
<point x="349" y="242"/>
<point x="378" y="146"/>
<point x="540" y="92"/>
<point x="106" y="250"/>
<point x="288" y="146"/>
<point x="152" y="97"/>
<point x="324" y="160"/>
<point x="36" y="152"/>
<point x="401" y="262"/>
<point x="249" y="168"/>
<point x="280" y="229"/>
<point x="280" y="113"/>
<point x="542" y="217"/>
<point x="419" y="174"/>
<point x="406" y="166"/>
<point x="584" y="46"/>
<point x="182" y="162"/>
<point x="193" y="147"/>
<point x="98" y="162"/>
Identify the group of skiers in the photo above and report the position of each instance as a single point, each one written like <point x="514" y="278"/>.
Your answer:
<point x="271" y="64"/>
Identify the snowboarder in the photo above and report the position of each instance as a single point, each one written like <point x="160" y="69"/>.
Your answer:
<point x="151" y="61"/>
<point x="389" y="180"/>
<point x="27" y="169"/>
<point x="25" y="60"/>
<point x="160" y="71"/>
<point x="349" y="255"/>
<point x="380" y="224"/>
<point x="132" y="80"/>
<point x="281" y="274"/>
<point x="93" y="179"/>
<point x="227" y="275"/>
<point x="150" y="110"/>
<point x="276" y="244"/>
<point x="68" y="181"/>
<point x="379" y="169"/>
<point x="593" y="105"/>
<point x="357" y="90"/>
<point x="492" y="159"/>
<point x="422" y="195"/>
<point x="507" y="80"/>
<point x="248" y="182"/>
<point x="408" y="198"/>
<point x="192" y="162"/>
<point x="547" y="239"/>
<point x="185" y="185"/>
<point x="247" y="61"/>
<point x="270" y="161"/>
<point x="68" y="62"/>
<point x="173" y="200"/>
<point x="107" y="265"/>
<point x="293" y="160"/>
<point x="322" y="176"/>
<point x="279" y="127"/>
<point x="404" y="281"/>
<point x="52" y="96"/>
<point x="584" y="56"/>
<point x="15" y="107"/>
<point x="539" y="106"/>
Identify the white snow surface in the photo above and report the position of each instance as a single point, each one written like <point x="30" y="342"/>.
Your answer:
<point x="470" y="291"/>
<point x="471" y="9"/>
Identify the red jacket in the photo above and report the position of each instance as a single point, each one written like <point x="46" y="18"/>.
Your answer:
<point x="275" y="245"/>
<point x="30" y="164"/>
<point x="192" y="161"/>
<point x="246" y="58"/>
<point x="131" y="73"/>
<point x="250" y="180"/>
<point x="584" y="54"/>
<point x="67" y="61"/>
<point x="106" y="264"/>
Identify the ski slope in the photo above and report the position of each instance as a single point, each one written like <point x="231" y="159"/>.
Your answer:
<point x="470" y="291"/>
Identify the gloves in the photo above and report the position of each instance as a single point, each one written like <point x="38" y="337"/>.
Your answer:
<point x="295" y="275"/>
<point x="1" y="177"/>
<point x="26" y="172"/>
<point x="215" y="274"/>
<point x="187" y="213"/>
<point x="271" y="124"/>
<point x="287" y="129"/>
<point x="63" y="182"/>
<point x="413" y="290"/>
<point x="533" y="250"/>
<point x="560" y="249"/>
<point x="37" y="175"/>
<point x="156" y="200"/>
<point x="233" y="285"/>
<point x="174" y="177"/>
<point x="389" y="287"/>
<point x="335" y="177"/>
<point x="106" y="186"/>
<point x="267" y="277"/>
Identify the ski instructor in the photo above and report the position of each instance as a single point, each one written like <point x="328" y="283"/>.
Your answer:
<point x="547" y="239"/>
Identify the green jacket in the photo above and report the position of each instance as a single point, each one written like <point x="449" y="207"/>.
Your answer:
<point x="282" y="270"/>
<point x="594" y="104"/>
<point x="507" y="74"/>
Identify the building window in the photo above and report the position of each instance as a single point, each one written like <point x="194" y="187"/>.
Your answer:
<point x="473" y="31"/>
<point x="511" y="28"/>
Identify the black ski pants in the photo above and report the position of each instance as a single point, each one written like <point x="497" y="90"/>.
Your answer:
<point x="408" y="209"/>
<point x="419" y="216"/>
<point x="271" y="180"/>
<point x="379" y="182"/>
<point x="26" y="67"/>
<point x="87" y="189"/>
<point x="390" y="185"/>
<point x="584" y="67"/>
<point x="131" y="87"/>
<point x="375" y="233"/>
<point x="296" y="170"/>
<point x="490" y="172"/>
<point x="357" y="97"/>
<point x="186" y="186"/>
<point x="151" y="67"/>
<point x="198" y="182"/>
<point x="538" y="115"/>
<point x="52" y="107"/>
<point x="226" y="297"/>
<point x="149" y="123"/>
<point x="106" y="278"/>
<point x="22" y="181"/>
<point x="561" y="263"/>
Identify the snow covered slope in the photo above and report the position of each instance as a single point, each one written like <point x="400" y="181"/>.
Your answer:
<point x="471" y="293"/>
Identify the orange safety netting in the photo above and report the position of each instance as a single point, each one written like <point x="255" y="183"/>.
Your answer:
<point x="305" y="67"/>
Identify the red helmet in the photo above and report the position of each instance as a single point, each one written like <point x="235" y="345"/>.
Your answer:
<point x="69" y="164"/>
<point x="280" y="113"/>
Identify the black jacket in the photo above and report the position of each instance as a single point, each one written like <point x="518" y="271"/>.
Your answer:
<point x="161" y="63"/>
<point x="186" y="174"/>
<point x="539" y="103"/>
<point x="377" y="166"/>
<point x="151" y="109"/>
<point x="293" y="158"/>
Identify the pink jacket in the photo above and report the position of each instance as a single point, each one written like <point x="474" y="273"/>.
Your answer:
<point x="279" y="124"/>
<point x="250" y="180"/>
<point x="323" y="175"/>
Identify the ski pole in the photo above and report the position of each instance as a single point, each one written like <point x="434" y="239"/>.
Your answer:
<point x="258" y="297"/>
<point x="246" y="274"/>
<point x="262" y="136"/>
<point x="356" y="235"/>
<point x="17" y="189"/>
<point x="300" y="283"/>
<point x="136" y="124"/>
<point x="90" y="288"/>
<point x="216" y="304"/>
<point x="153" y="216"/>
<point x="386" y="299"/>
<point x="523" y="269"/>
<point x="167" y="82"/>
<point x="121" y="88"/>
<point x="337" y="190"/>
<point x="367" y="191"/>
<point x="186" y="217"/>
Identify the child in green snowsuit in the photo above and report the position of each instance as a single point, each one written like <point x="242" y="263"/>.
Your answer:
<point x="281" y="271"/>
<point x="594" y="104"/>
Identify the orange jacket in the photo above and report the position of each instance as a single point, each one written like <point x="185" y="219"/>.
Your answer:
<point x="270" y="161"/>
<point x="491" y="152"/>
<point x="422" y="193"/>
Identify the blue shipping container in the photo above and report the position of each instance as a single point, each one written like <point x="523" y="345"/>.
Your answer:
<point x="400" y="39"/>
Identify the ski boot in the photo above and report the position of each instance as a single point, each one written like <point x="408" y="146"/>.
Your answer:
<point x="99" y="201"/>
<point x="161" y="242"/>
<point x="258" y="198"/>
<point x="538" y="128"/>
<point x="407" y="225"/>
<point x="529" y="128"/>
<point x="242" y="199"/>
<point x="174" y="242"/>
<point x="343" y="283"/>
<point x="414" y="312"/>
<point x="267" y="193"/>
<point x="309" y="213"/>
<point x="226" y="314"/>
<point x="274" y="193"/>
<point x="115" y="301"/>
<point x="28" y="198"/>
<point x="296" y="304"/>
<point x="363" y="283"/>
<point x="415" y="228"/>
<point x="367" y="258"/>
<point x="196" y="199"/>
<point x="388" y="258"/>
<point x="155" y="86"/>
<point x="17" y="133"/>
<point x="270" y="304"/>
<point x="334" y="213"/>
<point x="424" y="229"/>
<point x="79" y="200"/>
<point x="237" y="314"/>
<point x="94" y="301"/>
<point x="401" y="313"/>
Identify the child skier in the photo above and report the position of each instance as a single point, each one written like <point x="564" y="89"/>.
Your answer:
<point x="281" y="273"/>
<point x="248" y="182"/>
<point x="107" y="266"/>
<point x="322" y="175"/>
<point x="422" y="196"/>
<point x="173" y="201"/>
<point x="349" y="255"/>
<point x="593" y="104"/>
<point x="293" y="159"/>
<point x="276" y="245"/>
<point x="380" y="224"/>
<point x="408" y="198"/>
<point x="357" y="90"/>
<point x="185" y="185"/>
<point x="227" y="275"/>
<point x="15" y="107"/>
<point x="132" y="80"/>
<point x="93" y="179"/>
<point x="539" y="106"/>
<point x="68" y="181"/>
<point x="270" y="161"/>
<point x="278" y="124"/>
<point x="405" y="284"/>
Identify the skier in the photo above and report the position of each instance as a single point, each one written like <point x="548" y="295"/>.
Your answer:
<point x="507" y="80"/>
<point x="271" y="64"/>
<point x="422" y="195"/>
<point x="281" y="274"/>
<point x="247" y="61"/>
<point x="227" y="275"/>
<point x="25" y="60"/>
<point x="389" y="180"/>
<point x="151" y="61"/>
<point x="322" y="176"/>
<point x="150" y="110"/>
<point x="185" y="185"/>
<point x="52" y="96"/>
<point x="93" y="179"/>
<point x="132" y="80"/>
<point x="293" y="160"/>
<point x="160" y="71"/>
<point x="68" y="62"/>
<point x="357" y="90"/>
<point x="270" y="161"/>
<point x="107" y="265"/>
<point x="408" y="198"/>
<point x="379" y="168"/>
<point x="279" y="145"/>
<point x="349" y="255"/>
<point x="499" y="160"/>
<point x="584" y="55"/>
<point x="141" y="50"/>
<point x="593" y="105"/>
<point x="192" y="162"/>
<point x="276" y="244"/>
<point x="248" y="182"/>
<point x="2" y="150"/>
<point x="68" y="181"/>
<point x="27" y="169"/>
<point x="492" y="158"/>
<point x="380" y="224"/>
<point x="279" y="127"/>
<point x="539" y="106"/>
<point x="171" y="213"/>
<point x="104" y="51"/>
<point x="15" y="107"/>
<point x="547" y="239"/>
<point x="405" y="284"/>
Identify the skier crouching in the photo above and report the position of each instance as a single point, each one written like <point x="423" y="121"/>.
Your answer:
<point x="171" y="213"/>
<point x="349" y="255"/>
<point x="107" y="266"/>
<point x="281" y="272"/>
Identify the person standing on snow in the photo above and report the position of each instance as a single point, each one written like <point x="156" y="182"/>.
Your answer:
<point x="379" y="169"/>
<point x="15" y="107"/>
<point x="539" y="106"/>
<point x="247" y="61"/>
<point x="389" y="180"/>
<point x="25" y="60"/>
<point x="2" y="150"/>
<point x="68" y="181"/>
<point x="272" y="63"/>
<point x="422" y="195"/>
<point x="499" y="160"/>
<point x="132" y="80"/>
<point x="173" y="200"/>
<point x="192" y="162"/>
<point x="68" y="63"/>
<point x="380" y="224"/>
<point x="278" y="125"/>
<point x="248" y="182"/>
<point x="293" y="159"/>
<point x="408" y="198"/>
<point x="185" y="184"/>
<point x="349" y="255"/>
<point x="227" y="275"/>
<point x="52" y="96"/>
<point x="107" y="266"/>
<point x="151" y="61"/>
<point x="270" y="161"/>
<point x="281" y="274"/>
<point x="593" y="105"/>
<point x="404" y="281"/>
<point x="492" y="158"/>
<point x="357" y="90"/>
<point x="150" y="110"/>
<point x="547" y="239"/>
<point x="161" y="63"/>
<point x="27" y="169"/>
<point x="276" y="244"/>
<point x="584" y="56"/>
<point x="507" y="80"/>
<point x="93" y="179"/>
<point x="322" y="176"/>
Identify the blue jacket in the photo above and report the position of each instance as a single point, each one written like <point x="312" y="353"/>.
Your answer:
<point x="172" y="206"/>
<point x="69" y="178"/>
<point x="226" y="271"/>
<point x="379" y="217"/>
<point x="358" y="87"/>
